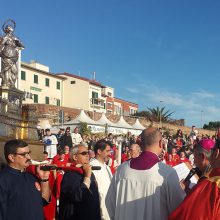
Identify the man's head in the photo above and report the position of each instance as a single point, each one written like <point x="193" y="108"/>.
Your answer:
<point x="17" y="154"/>
<point x="135" y="150"/>
<point x="47" y="131"/>
<point x="76" y="130"/>
<point x="61" y="154"/>
<point x="45" y="153"/>
<point x="66" y="149"/>
<point x="102" y="150"/>
<point x="182" y="154"/>
<point x="202" y="153"/>
<point x="80" y="154"/>
<point x="173" y="151"/>
<point x="67" y="131"/>
<point x="61" y="131"/>
<point x="151" y="140"/>
<point x="215" y="156"/>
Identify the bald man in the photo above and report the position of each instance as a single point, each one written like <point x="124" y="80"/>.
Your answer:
<point x="144" y="187"/>
<point x="135" y="150"/>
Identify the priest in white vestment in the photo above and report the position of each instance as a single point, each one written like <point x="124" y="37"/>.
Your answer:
<point x="144" y="188"/>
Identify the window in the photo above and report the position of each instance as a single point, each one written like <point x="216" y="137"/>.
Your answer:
<point x="47" y="82"/>
<point x="109" y="104"/>
<point x="109" y="94"/>
<point x="58" y="102"/>
<point x="36" y="79"/>
<point x="35" y="98"/>
<point x="73" y="82"/>
<point x="58" y="85"/>
<point x="23" y="75"/>
<point x="95" y="98"/>
<point x="47" y="100"/>
<point x="118" y="110"/>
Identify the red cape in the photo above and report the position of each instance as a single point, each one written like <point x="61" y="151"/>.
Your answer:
<point x="203" y="202"/>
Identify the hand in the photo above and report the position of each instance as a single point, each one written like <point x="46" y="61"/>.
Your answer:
<point x="185" y="185"/>
<point x="43" y="174"/>
<point x="87" y="170"/>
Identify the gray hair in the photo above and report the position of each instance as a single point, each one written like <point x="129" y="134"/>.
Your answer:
<point x="74" y="150"/>
<point x="200" y="150"/>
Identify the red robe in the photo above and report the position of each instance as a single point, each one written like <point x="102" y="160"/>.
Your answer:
<point x="203" y="201"/>
<point x="175" y="159"/>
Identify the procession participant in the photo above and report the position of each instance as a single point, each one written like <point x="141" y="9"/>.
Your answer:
<point x="21" y="194"/>
<point x="66" y="139"/>
<point x="203" y="201"/>
<point x="79" y="197"/>
<point x="135" y="150"/>
<point x="103" y="177"/>
<point x="76" y="137"/>
<point x="51" y="142"/>
<point x="144" y="187"/>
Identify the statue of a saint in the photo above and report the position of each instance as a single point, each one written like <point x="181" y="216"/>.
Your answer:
<point x="9" y="52"/>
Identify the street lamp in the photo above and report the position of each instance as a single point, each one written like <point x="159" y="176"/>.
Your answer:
<point x="160" y="114"/>
<point x="201" y="119"/>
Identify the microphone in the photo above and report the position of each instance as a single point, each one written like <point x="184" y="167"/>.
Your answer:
<point x="54" y="167"/>
<point x="96" y="168"/>
<point x="192" y="172"/>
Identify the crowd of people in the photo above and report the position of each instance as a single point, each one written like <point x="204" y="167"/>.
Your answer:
<point x="111" y="177"/>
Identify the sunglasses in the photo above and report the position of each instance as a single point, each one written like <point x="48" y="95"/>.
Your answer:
<point x="24" y="154"/>
<point x="84" y="153"/>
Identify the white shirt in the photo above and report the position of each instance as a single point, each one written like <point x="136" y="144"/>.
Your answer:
<point x="143" y="194"/>
<point x="76" y="138"/>
<point x="103" y="178"/>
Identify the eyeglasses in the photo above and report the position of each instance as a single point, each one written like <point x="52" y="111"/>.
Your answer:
<point x="84" y="153"/>
<point x="24" y="154"/>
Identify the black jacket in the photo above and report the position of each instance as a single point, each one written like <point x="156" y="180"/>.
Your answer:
<point x="66" y="140"/>
<point x="77" y="202"/>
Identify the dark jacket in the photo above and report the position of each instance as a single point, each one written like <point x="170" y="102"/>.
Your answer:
<point x="20" y="197"/>
<point x="66" y="140"/>
<point x="77" y="202"/>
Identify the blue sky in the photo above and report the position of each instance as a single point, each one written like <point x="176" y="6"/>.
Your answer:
<point x="148" y="50"/>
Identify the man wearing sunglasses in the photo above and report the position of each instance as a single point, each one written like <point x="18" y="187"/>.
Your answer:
<point x="79" y="198"/>
<point x="21" y="195"/>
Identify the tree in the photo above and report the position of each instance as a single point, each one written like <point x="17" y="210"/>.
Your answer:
<point x="84" y="129"/>
<point x="155" y="114"/>
<point x="213" y="125"/>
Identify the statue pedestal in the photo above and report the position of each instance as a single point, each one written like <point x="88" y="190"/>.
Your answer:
<point x="11" y="99"/>
<point x="14" y="120"/>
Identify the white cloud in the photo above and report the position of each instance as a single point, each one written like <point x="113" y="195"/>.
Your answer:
<point x="187" y="105"/>
<point x="132" y="90"/>
<point x="204" y="94"/>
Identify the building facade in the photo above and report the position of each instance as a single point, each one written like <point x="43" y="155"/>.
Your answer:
<point x="69" y="90"/>
<point x="39" y="85"/>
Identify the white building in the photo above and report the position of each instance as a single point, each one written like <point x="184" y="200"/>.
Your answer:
<point x="68" y="90"/>
<point x="39" y="85"/>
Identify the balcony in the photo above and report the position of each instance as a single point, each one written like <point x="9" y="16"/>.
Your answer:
<point x="97" y="103"/>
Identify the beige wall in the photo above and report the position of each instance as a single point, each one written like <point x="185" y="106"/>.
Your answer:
<point x="40" y="89"/>
<point x="75" y="95"/>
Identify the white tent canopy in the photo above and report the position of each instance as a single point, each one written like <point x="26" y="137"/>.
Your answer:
<point x="82" y="117"/>
<point x="103" y="120"/>
<point x="121" y="123"/>
<point x="138" y="125"/>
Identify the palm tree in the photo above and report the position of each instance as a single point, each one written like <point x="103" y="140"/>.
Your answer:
<point x="158" y="114"/>
<point x="155" y="114"/>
